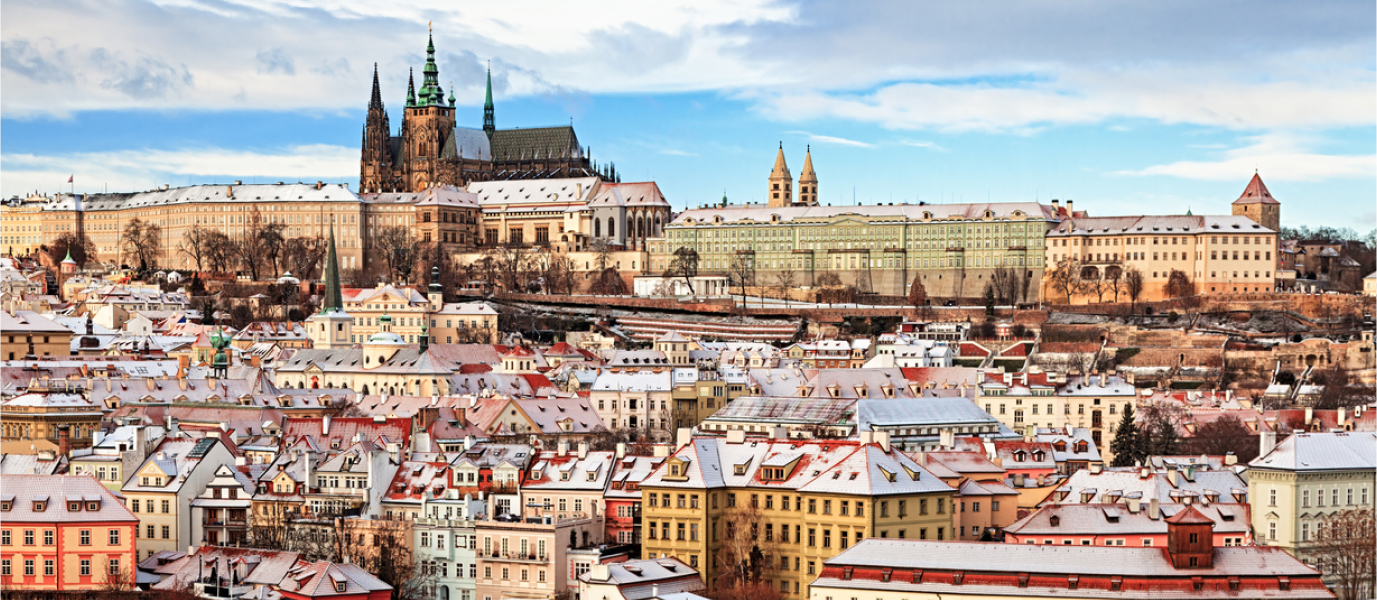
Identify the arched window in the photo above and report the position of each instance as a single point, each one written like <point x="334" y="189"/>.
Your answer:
<point x="597" y="228"/>
<point x="611" y="227"/>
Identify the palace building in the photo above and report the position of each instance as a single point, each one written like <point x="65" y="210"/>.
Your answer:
<point x="431" y="148"/>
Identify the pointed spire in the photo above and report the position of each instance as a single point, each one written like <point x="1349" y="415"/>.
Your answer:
<point x="808" y="175"/>
<point x="781" y="169"/>
<point x="451" y="94"/>
<point x="411" y="87"/>
<point x="489" y="123"/>
<point x="334" y="298"/>
<point x="1256" y="193"/>
<point x="376" y="100"/>
<point x="431" y="93"/>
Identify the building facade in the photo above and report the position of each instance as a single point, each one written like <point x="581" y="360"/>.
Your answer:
<point x="64" y="532"/>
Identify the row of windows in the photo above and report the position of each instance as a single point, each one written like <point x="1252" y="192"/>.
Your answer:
<point x="134" y="503"/>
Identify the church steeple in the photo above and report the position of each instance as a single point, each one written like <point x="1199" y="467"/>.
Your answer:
<point x="781" y="182"/>
<point x="808" y="182"/>
<point x="334" y="298"/>
<point x="376" y="100"/>
<point x="430" y="85"/>
<point x="489" y="124"/>
<point x="411" y="88"/>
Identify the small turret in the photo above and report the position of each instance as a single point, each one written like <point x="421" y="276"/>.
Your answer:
<point x="489" y="124"/>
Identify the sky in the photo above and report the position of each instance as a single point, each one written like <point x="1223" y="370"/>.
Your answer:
<point x="1124" y="107"/>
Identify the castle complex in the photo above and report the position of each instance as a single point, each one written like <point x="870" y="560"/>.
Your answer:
<point x="431" y="148"/>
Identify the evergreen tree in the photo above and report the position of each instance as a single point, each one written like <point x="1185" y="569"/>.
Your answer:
<point x="1128" y="441"/>
<point x="989" y="301"/>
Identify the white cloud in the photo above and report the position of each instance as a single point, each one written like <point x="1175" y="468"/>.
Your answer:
<point x="923" y="144"/>
<point x="834" y="140"/>
<point x="1278" y="157"/>
<point x="127" y="170"/>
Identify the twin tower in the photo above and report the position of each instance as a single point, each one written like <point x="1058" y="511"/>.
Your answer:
<point x="782" y="183"/>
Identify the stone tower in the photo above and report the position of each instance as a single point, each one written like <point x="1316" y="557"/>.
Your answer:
<point x="781" y="182"/>
<point x="807" y="182"/>
<point x="1257" y="204"/>
<point x="428" y="125"/>
<point x="375" y="166"/>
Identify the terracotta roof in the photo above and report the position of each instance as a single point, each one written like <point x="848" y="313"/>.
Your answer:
<point x="1256" y="193"/>
<point x="1190" y="516"/>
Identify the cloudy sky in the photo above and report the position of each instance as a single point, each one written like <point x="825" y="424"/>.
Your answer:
<point x="1125" y="107"/>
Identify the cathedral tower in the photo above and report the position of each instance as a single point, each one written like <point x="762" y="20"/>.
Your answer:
<point x="808" y="182"/>
<point x="375" y="166"/>
<point x="781" y="182"/>
<point x="1257" y="204"/>
<point x="428" y="125"/>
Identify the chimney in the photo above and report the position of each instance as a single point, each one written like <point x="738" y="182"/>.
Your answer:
<point x="736" y="436"/>
<point x="468" y="443"/>
<point x="1095" y="468"/>
<point x="654" y="591"/>
<point x="1230" y="459"/>
<point x="598" y="572"/>
<point x="779" y="433"/>
<point x="946" y="439"/>
<point x="1056" y="203"/>
<point x="1071" y="208"/>
<point x="183" y="363"/>
<point x="64" y="439"/>
<point x="325" y="426"/>
<point x="583" y="450"/>
<point x="867" y="438"/>
<point x="1104" y="379"/>
<point x="683" y="437"/>
<point x="1173" y="476"/>
<point x="1134" y="505"/>
<point x="1343" y="414"/>
<point x="621" y="450"/>
<point x="882" y="438"/>
<point x="1154" y="509"/>
<point x="562" y="449"/>
<point x="1266" y="442"/>
<point x="241" y="461"/>
<point x="1309" y="416"/>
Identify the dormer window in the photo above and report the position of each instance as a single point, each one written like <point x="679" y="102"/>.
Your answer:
<point x="92" y="506"/>
<point x="40" y="506"/>
<point x="339" y="586"/>
<point x="5" y="506"/>
<point x="564" y="476"/>
<point x="74" y="506"/>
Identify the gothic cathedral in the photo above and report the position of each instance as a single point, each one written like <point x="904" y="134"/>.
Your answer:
<point x="431" y="149"/>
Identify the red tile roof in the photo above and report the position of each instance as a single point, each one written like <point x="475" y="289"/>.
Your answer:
<point x="1256" y="193"/>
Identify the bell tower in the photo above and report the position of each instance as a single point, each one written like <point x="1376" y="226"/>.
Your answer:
<point x="781" y="182"/>
<point x="331" y="328"/>
<point x="1190" y="539"/>
<point x="807" y="182"/>
<point x="429" y="123"/>
<point x="1257" y="204"/>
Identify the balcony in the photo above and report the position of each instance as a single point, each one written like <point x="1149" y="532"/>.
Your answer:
<point x="516" y="557"/>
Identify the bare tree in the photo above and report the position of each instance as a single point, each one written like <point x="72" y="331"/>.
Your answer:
<point x="1133" y="285"/>
<point x="397" y="248"/>
<point x="826" y="286"/>
<point x="1114" y="277"/>
<point x="79" y="244"/>
<point x="1065" y="276"/>
<point x="1344" y="551"/>
<point x="1005" y="283"/>
<point x="142" y="241"/>
<point x="917" y="293"/>
<point x="1024" y="284"/>
<point x="303" y="255"/>
<point x="219" y="251"/>
<point x="609" y="282"/>
<point x="784" y="278"/>
<point x="749" y="548"/>
<point x="741" y="274"/>
<point x="1222" y="436"/>
<point x="602" y="253"/>
<point x="249" y="250"/>
<point x="684" y="264"/>
<point x="559" y="274"/>
<point x="1179" y="285"/>
<point x="273" y="238"/>
<point x="193" y="245"/>
<point x="514" y="265"/>
<point x="1092" y="280"/>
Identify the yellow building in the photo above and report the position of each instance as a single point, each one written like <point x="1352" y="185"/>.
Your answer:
<point x="27" y="333"/>
<point x="1217" y="254"/>
<point x="1047" y="400"/>
<point x="799" y="502"/>
<point x="21" y="228"/>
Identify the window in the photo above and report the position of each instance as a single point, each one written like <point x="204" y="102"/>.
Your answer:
<point x="28" y="567"/>
<point x="167" y="531"/>
<point x="165" y="507"/>
<point x="48" y="537"/>
<point x="5" y="567"/>
<point x="5" y="537"/>
<point x="85" y="537"/>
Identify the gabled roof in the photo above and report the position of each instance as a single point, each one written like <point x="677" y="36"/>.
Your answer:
<point x="55" y="490"/>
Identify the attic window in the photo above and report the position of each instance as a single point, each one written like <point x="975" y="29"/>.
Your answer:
<point x="40" y="506"/>
<point x="74" y="506"/>
<point x="339" y="586"/>
<point x="5" y="506"/>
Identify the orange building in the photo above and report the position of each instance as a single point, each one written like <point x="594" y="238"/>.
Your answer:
<point x="64" y="532"/>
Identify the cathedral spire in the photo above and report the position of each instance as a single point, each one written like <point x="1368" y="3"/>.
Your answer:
<point x="489" y="124"/>
<point x="781" y="191"/>
<point x="376" y="100"/>
<point x="334" y="299"/>
<point x="430" y="85"/>
<point x="411" y="87"/>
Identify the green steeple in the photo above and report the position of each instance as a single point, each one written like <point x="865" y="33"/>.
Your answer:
<point x="431" y="94"/>
<point x="334" y="299"/>
<point x="451" y="94"/>
<point x="489" y="124"/>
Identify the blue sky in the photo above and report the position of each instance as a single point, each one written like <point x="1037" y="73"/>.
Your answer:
<point x="1125" y="107"/>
